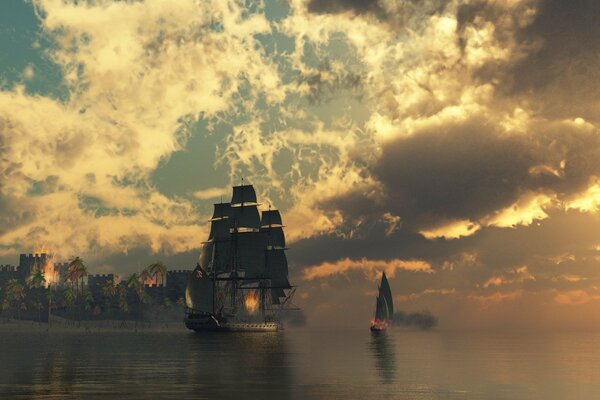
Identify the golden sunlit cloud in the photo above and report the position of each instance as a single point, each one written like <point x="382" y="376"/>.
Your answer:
<point x="496" y="297"/>
<point x="574" y="297"/>
<point x="527" y="209"/>
<point x="588" y="201"/>
<point x="345" y="265"/>
<point x="452" y="230"/>
<point x="212" y="193"/>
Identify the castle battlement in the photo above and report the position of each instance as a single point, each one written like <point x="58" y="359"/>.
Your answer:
<point x="179" y="271"/>
<point x="101" y="276"/>
<point x="8" y="268"/>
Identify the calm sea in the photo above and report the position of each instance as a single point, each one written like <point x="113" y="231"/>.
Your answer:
<point x="298" y="364"/>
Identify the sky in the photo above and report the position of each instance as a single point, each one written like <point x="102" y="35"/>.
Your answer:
<point x="453" y="144"/>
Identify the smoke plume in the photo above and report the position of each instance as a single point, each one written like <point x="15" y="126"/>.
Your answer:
<point x="293" y="318"/>
<point x="423" y="321"/>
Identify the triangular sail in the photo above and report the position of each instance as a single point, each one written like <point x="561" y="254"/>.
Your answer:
<point x="386" y="293"/>
<point x="380" y="311"/>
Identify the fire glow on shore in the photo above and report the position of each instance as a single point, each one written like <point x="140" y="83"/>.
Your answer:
<point x="50" y="273"/>
<point x="251" y="302"/>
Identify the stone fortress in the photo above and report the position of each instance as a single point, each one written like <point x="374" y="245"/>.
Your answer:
<point x="171" y="292"/>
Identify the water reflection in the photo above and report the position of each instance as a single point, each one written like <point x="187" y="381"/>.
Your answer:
<point x="298" y="365"/>
<point x="248" y="364"/>
<point x="144" y="365"/>
<point x="382" y="348"/>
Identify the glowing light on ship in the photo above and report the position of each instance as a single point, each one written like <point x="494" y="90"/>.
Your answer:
<point x="251" y="302"/>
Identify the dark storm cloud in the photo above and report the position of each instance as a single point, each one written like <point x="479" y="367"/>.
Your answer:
<point x="398" y="14"/>
<point x="339" y="6"/>
<point x="562" y="71"/>
<point x="555" y="56"/>
<point x="470" y="169"/>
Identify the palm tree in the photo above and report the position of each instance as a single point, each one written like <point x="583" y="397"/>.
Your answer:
<point x="76" y="270"/>
<point x="88" y="300"/>
<point x="69" y="296"/>
<point x="156" y="269"/>
<point x="137" y="285"/>
<point x="123" y="305"/>
<point x="39" y="306"/>
<point x="109" y="291"/>
<point x="36" y="281"/>
<point x="15" y="292"/>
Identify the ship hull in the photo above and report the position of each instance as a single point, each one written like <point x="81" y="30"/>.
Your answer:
<point x="377" y="329"/>
<point x="211" y="324"/>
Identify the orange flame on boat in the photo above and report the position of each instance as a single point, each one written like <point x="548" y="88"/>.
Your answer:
<point x="251" y="302"/>
<point x="379" y="324"/>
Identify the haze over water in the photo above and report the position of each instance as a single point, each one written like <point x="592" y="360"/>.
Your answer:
<point x="299" y="364"/>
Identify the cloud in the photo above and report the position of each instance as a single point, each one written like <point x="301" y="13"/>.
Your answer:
<point x="452" y="230"/>
<point x="342" y="266"/>
<point x="211" y="193"/>
<point x="528" y="208"/>
<point x="586" y="201"/>
<point x="135" y="86"/>
<point x="574" y="297"/>
<point x="496" y="297"/>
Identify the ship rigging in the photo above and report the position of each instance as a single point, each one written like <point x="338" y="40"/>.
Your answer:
<point x="241" y="280"/>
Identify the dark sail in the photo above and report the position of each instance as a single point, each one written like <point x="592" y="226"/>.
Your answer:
<point x="386" y="293"/>
<point x="246" y="217"/>
<point x="277" y="268"/>
<point x="271" y="218"/>
<point x="243" y="257"/>
<point x="206" y="255"/>
<point x="380" y="309"/>
<point x="199" y="291"/>
<point x="250" y="256"/>
<point x="221" y="210"/>
<point x="275" y="238"/>
<point x="219" y="229"/>
<point x="223" y="256"/>
<point x="244" y="194"/>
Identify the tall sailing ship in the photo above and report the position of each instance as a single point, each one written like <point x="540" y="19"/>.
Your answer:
<point x="241" y="280"/>
<point x="384" y="307"/>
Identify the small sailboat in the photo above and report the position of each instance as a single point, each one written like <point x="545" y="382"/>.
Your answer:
<point x="384" y="308"/>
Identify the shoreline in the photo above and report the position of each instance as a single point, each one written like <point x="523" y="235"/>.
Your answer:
<point x="58" y="324"/>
